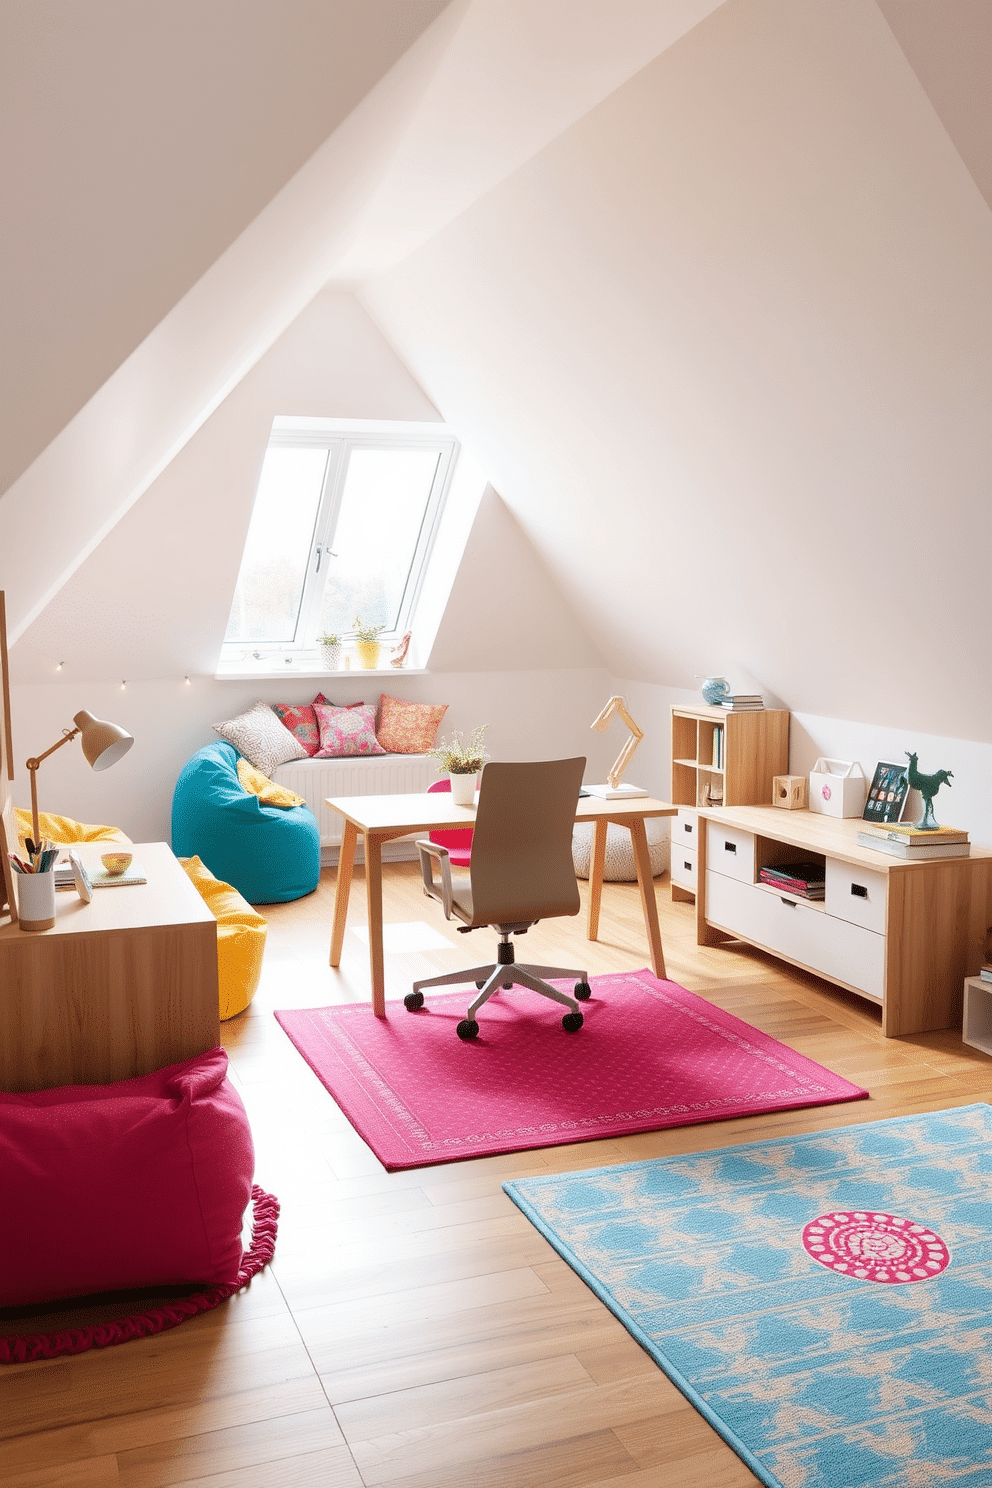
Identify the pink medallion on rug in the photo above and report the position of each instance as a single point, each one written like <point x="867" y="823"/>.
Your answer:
<point x="650" y="1055"/>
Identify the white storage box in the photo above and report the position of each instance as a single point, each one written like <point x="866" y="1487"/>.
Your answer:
<point x="837" y="788"/>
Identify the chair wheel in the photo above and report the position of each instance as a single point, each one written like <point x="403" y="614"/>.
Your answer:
<point x="583" y="991"/>
<point x="413" y="1000"/>
<point x="572" y="1022"/>
<point x="467" y="1029"/>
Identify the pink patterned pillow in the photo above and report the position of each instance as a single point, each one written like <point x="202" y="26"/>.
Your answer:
<point x="301" y="721"/>
<point x="409" y="728"/>
<point x="345" y="731"/>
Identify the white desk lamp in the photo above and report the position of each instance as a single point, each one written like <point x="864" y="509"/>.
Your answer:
<point x="103" y="745"/>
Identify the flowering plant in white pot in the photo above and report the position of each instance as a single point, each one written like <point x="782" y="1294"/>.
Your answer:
<point x="462" y="760"/>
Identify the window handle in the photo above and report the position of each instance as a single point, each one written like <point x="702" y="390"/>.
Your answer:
<point x="330" y="553"/>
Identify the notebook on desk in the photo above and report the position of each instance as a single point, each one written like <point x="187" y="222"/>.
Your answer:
<point x="101" y="879"/>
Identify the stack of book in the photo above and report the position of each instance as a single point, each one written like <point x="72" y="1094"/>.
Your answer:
<point x="903" y="840"/>
<point x="986" y="973"/>
<point x="742" y="702"/>
<point x="803" y="880"/>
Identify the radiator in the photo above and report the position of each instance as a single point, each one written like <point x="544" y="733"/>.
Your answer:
<point x="380" y="775"/>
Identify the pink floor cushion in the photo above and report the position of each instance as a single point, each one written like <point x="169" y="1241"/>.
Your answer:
<point x="142" y="1183"/>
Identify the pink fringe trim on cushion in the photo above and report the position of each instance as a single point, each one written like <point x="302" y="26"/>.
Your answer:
<point x="26" y="1348"/>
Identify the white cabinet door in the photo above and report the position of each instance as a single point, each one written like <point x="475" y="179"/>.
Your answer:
<point x="684" y="866"/>
<point x="730" y="851"/>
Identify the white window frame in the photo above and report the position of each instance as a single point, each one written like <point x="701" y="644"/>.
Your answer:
<point x="340" y="437"/>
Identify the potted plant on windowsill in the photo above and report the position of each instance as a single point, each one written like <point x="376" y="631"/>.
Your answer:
<point x="330" y="650"/>
<point x="462" y="761"/>
<point x="367" y="643"/>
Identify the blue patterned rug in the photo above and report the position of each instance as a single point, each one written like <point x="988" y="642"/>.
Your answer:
<point x="824" y="1301"/>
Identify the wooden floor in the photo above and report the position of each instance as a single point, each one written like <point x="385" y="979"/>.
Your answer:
<point x="414" y="1329"/>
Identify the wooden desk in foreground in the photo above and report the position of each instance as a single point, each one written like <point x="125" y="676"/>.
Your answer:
<point x="117" y="988"/>
<point x="382" y="819"/>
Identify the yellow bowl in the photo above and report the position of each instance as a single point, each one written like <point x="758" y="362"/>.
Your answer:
<point x="116" y="862"/>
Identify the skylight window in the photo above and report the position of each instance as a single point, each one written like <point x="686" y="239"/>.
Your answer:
<point x="342" y="528"/>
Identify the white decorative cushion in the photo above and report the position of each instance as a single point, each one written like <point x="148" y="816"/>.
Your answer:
<point x="619" y="865"/>
<point x="262" y="738"/>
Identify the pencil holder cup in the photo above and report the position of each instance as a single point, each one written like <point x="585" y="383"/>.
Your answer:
<point x="36" y="900"/>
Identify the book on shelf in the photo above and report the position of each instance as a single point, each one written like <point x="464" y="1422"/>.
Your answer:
<point x="805" y="880"/>
<point x="742" y="702"/>
<point x="922" y="851"/>
<point x="915" y="836"/>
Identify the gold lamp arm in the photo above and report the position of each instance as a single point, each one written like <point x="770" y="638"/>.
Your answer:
<point x="33" y="765"/>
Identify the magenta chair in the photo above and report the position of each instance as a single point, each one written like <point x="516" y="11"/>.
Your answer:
<point x="459" y="841"/>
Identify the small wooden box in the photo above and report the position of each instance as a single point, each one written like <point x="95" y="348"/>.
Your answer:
<point x="791" y="792"/>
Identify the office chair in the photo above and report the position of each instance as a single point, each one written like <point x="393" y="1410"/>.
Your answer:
<point x="520" y="872"/>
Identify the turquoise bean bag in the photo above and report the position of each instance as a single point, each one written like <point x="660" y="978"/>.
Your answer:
<point x="268" y="853"/>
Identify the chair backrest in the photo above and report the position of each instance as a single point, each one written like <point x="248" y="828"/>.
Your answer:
<point x="521" y="868"/>
<point x="459" y="840"/>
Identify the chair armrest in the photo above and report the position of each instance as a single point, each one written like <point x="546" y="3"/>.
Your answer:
<point x="428" y="852"/>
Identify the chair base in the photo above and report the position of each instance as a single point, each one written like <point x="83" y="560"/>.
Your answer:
<point x="505" y="974"/>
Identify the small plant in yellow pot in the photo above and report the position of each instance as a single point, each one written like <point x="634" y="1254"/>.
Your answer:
<point x="462" y="762"/>
<point x="367" y="643"/>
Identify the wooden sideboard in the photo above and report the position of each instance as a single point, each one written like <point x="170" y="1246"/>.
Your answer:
<point x="118" y="987"/>
<point x="902" y="933"/>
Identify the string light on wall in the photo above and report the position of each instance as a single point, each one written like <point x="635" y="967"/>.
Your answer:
<point x="188" y="682"/>
<point x="59" y="665"/>
<point x="123" y="686"/>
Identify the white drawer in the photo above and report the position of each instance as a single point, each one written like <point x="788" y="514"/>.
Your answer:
<point x="684" y="866"/>
<point x="730" y="851"/>
<point x="856" y="894"/>
<point x="789" y="927"/>
<point x="685" y="829"/>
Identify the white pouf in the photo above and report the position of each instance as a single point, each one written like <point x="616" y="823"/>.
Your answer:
<point x="619" y="865"/>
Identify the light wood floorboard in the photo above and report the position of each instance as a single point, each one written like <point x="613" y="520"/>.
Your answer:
<point x="414" y="1330"/>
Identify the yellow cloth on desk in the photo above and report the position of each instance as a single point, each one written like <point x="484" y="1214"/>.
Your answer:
<point x="265" y="789"/>
<point x="64" y="829"/>
<point x="241" y="934"/>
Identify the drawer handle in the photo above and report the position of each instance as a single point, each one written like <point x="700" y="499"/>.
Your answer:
<point x="687" y="865"/>
<point x="790" y="902"/>
<point x="859" y="891"/>
<point x="687" y="828"/>
<point x="730" y="847"/>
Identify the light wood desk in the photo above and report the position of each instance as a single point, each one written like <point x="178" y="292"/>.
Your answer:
<point x="382" y="819"/>
<point x="117" y="988"/>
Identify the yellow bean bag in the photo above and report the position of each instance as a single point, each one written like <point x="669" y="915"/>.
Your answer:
<point x="240" y="938"/>
<point x="64" y="829"/>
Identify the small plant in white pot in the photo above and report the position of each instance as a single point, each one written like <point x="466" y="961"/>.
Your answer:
<point x="462" y="760"/>
<point x="330" y="650"/>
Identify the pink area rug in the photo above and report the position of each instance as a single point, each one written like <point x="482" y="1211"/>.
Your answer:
<point x="650" y="1055"/>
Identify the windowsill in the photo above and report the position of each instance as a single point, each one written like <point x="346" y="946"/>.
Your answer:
<point x="284" y="673"/>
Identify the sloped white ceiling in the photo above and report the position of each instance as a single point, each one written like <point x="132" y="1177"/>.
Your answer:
<point x="721" y="332"/>
<point x="138" y="141"/>
<point x="725" y="349"/>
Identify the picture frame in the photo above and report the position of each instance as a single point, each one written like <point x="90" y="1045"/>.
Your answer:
<point x="887" y="794"/>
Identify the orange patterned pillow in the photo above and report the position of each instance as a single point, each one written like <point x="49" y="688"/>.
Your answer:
<point x="408" y="728"/>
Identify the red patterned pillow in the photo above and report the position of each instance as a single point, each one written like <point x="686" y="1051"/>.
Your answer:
<point x="346" y="731"/>
<point x="409" y="728"/>
<point x="301" y="721"/>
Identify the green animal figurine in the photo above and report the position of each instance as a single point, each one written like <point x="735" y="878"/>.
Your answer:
<point x="928" y="786"/>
